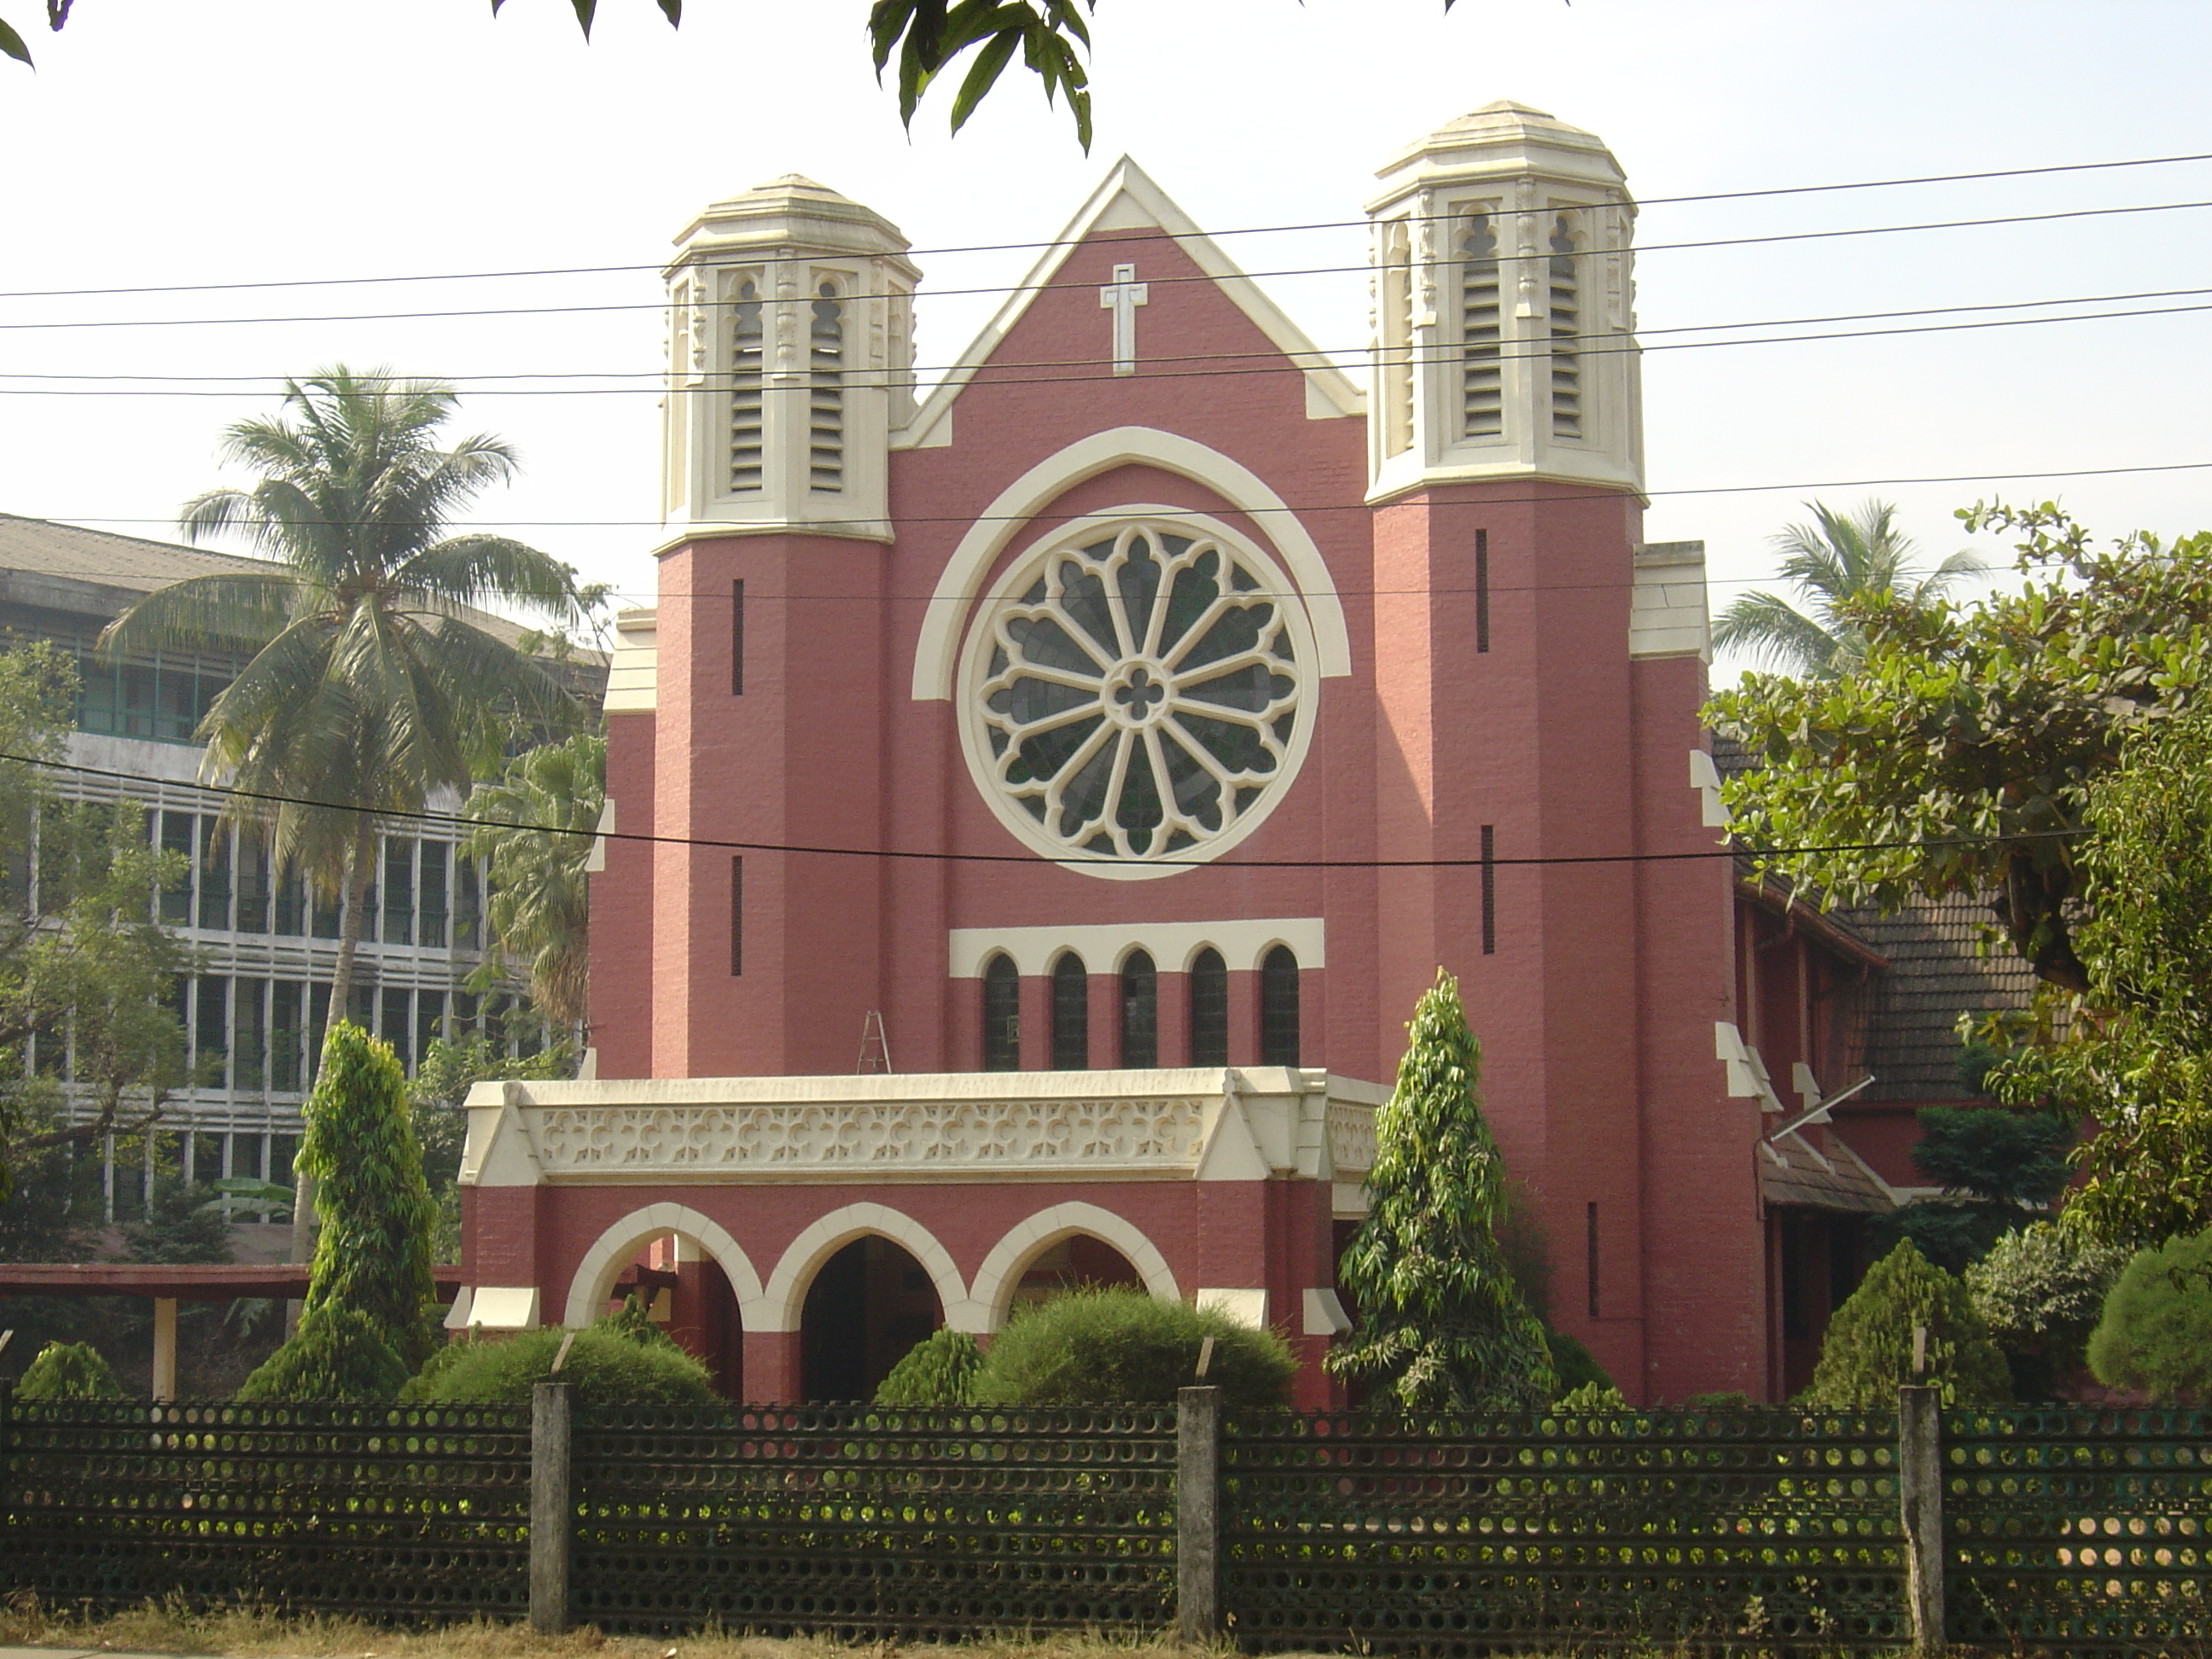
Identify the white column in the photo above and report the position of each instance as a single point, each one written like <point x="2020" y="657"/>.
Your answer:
<point x="165" y="1347"/>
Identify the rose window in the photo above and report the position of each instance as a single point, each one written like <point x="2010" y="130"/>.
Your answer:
<point x="1136" y="694"/>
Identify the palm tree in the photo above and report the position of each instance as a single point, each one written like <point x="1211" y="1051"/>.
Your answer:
<point x="372" y="682"/>
<point x="1837" y="560"/>
<point x="536" y="841"/>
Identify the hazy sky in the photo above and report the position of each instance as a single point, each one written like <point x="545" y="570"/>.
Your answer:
<point x="250" y="140"/>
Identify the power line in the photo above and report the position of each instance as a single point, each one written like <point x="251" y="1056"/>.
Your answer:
<point x="929" y="856"/>
<point x="1258" y="513"/>
<point x="1046" y="288"/>
<point x="1012" y="247"/>
<point x="1444" y="352"/>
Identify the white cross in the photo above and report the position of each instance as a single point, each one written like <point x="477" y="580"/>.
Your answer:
<point x="1122" y="296"/>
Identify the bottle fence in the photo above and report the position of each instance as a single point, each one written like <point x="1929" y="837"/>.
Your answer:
<point x="1766" y="1531"/>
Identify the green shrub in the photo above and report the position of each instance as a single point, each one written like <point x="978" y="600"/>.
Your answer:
<point x="337" y="1353"/>
<point x="1575" y="1365"/>
<point x="69" y="1370"/>
<point x="1592" y="1397"/>
<point x="937" y="1370"/>
<point x="1098" y="1348"/>
<point x="2041" y="1291"/>
<point x="1727" y="1400"/>
<point x="1869" y="1351"/>
<point x="612" y="1363"/>
<point x="2157" y="1332"/>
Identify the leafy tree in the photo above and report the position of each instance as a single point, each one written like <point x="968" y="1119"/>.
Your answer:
<point x="1958" y="756"/>
<point x="1992" y="1164"/>
<point x="536" y="839"/>
<point x="187" y="1226"/>
<point x="69" y="1370"/>
<point x="372" y="1260"/>
<point x="1832" y="562"/>
<point x="1867" y="1352"/>
<point x="2134" y="1056"/>
<point x="1574" y="1365"/>
<point x="2040" y="1291"/>
<point x="622" y="1359"/>
<point x="1098" y="1346"/>
<point x="1443" y="1326"/>
<point x="85" y="968"/>
<point x="2155" y="1333"/>
<point x="937" y="1370"/>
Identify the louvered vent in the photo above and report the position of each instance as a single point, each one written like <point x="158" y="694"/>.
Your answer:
<point x="745" y="340"/>
<point x="825" y="408"/>
<point x="1482" y="406"/>
<point x="1566" y="330"/>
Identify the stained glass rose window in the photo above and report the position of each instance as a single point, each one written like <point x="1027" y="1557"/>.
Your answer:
<point x="1134" y="693"/>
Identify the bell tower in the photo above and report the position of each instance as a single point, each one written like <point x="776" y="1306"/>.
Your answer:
<point x="790" y="363"/>
<point x="1503" y="308"/>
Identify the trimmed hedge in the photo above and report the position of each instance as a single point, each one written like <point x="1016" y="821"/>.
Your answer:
<point x="1102" y="1347"/>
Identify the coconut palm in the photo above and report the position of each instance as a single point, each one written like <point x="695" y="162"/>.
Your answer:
<point x="1837" y="559"/>
<point x="536" y="841"/>
<point x="373" y="681"/>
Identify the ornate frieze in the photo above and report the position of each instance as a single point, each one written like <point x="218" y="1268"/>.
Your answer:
<point x="1351" y="1138"/>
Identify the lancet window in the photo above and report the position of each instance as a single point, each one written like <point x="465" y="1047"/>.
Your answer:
<point x="1279" y="1007"/>
<point x="1140" y="1011"/>
<point x="1002" y="1016"/>
<point x="1209" y="1009"/>
<point x="1071" y="1014"/>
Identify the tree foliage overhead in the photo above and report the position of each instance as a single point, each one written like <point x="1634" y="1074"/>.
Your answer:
<point x="537" y="819"/>
<point x="1442" y="1325"/>
<point x="1838" y="558"/>
<point x="1958" y="758"/>
<point x="1867" y="1352"/>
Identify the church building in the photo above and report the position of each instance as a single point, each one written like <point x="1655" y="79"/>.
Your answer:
<point x="1036" y="808"/>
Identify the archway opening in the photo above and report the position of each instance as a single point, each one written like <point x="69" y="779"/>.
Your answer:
<point x="868" y="1305"/>
<point x="1075" y="1261"/>
<point x="685" y="1293"/>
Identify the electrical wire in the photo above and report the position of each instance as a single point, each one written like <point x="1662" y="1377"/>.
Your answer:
<point x="928" y="856"/>
<point x="1046" y="288"/>
<point x="1261" y="514"/>
<point x="1014" y="248"/>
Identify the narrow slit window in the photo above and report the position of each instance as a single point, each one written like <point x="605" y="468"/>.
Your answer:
<point x="1481" y="590"/>
<point x="1140" y="1012"/>
<point x="1279" y="1007"/>
<point x="1482" y="385"/>
<point x="1489" y="890"/>
<point x="737" y="639"/>
<point x="1002" y="1016"/>
<point x="1071" y="1014"/>
<point x="1567" y="330"/>
<point x="747" y="337"/>
<point x="1592" y="1260"/>
<point x="826" y="409"/>
<point x="737" y="916"/>
<point x="1209" y="1009"/>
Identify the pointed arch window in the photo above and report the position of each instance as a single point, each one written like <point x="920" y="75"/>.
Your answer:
<point x="746" y="339"/>
<point x="825" y="365"/>
<point x="1140" y="1012"/>
<point x="1209" y="1009"/>
<point x="1279" y="1007"/>
<point x="1482" y="389"/>
<point x="1071" y="1014"/>
<point x="1566" y="328"/>
<point x="1002" y="1015"/>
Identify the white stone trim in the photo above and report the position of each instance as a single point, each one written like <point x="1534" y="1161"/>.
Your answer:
<point x="937" y="654"/>
<point x="1000" y="1275"/>
<point x="1128" y="199"/>
<point x="1171" y="945"/>
<point x="1247" y="1307"/>
<point x="785" y="1300"/>
<point x="1668" y="613"/>
<point x="602" y="1263"/>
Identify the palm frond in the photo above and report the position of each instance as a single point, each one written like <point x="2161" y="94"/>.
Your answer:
<point x="1770" y="630"/>
<point x="222" y="609"/>
<point x="478" y="570"/>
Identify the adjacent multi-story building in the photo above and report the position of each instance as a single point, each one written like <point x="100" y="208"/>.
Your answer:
<point x="255" y="1003"/>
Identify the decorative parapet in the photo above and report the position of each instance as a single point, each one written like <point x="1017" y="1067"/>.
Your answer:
<point x="1240" y="1123"/>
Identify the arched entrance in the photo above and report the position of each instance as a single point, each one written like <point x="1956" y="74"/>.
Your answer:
<point x="1077" y="1260"/>
<point x="867" y="1304"/>
<point x="694" y="1281"/>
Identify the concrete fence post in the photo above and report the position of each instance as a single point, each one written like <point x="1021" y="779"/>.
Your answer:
<point x="552" y="1508"/>
<point x="1198" y="1514"/>
<point x="1920" y="1498"/>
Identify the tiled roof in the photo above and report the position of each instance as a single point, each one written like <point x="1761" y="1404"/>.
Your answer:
<point x="1792" y="1173"/>
<point x="1936" y="974"/>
